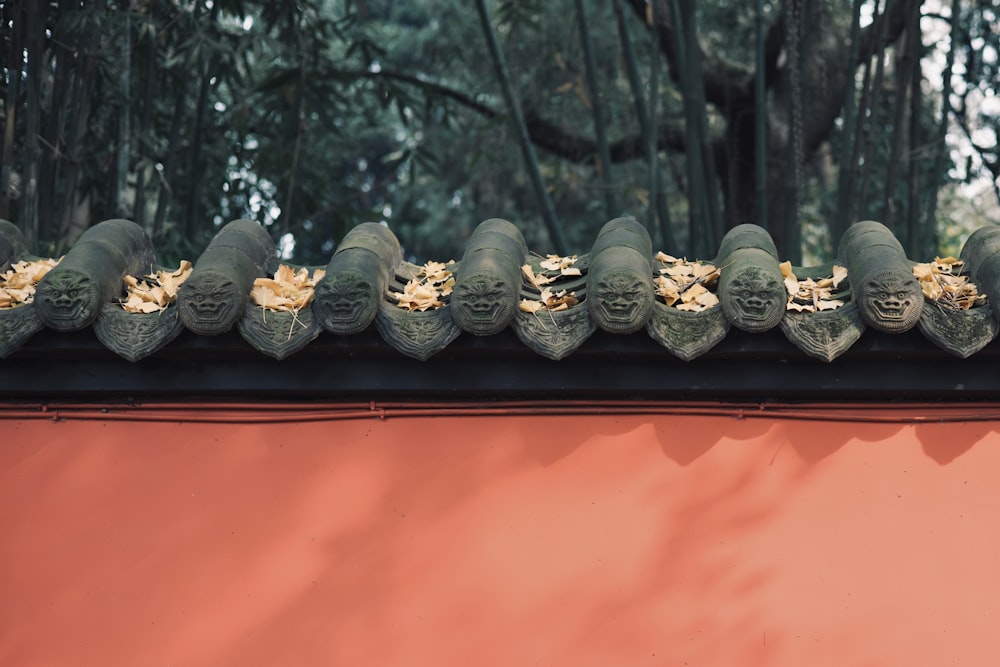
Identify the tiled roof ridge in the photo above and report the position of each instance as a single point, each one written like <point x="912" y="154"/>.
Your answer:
<point x="553" y="305"/>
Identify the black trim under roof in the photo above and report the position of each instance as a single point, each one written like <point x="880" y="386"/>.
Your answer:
<point x="361" y="367"/>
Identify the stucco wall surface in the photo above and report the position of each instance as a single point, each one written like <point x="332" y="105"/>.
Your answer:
<point x="480" y="540"/>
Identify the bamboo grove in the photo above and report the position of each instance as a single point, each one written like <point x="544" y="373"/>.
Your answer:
<point x="312" y="116"/>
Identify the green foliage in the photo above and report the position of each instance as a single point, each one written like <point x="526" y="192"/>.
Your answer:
<point x="312" y="116"/>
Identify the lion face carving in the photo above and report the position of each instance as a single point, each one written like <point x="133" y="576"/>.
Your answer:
<point x="210" y="303"/>
<point x="891" y="300"/>
<point x="483" y="304"/>
<point x="621" y="302"/>
<point x="754" y="300"/>
<point x="345" y="302"/>
<point x="67" y="300"/>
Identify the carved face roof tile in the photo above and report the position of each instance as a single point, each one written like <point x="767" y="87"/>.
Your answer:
<point x="885" y="306"/>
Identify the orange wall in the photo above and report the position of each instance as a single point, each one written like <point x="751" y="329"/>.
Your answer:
<point x="615" y="540"/>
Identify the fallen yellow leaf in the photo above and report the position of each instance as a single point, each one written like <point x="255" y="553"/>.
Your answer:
<point x="17" y="284"/>
<point x="426" y="290"/>
<point x="810" y="295"/>
<point x="685" y="283"/>
<point x="943" y="282"/>
<point x="289" y="290"/>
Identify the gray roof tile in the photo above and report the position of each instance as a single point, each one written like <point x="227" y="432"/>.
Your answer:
<point x="613" y="291"/>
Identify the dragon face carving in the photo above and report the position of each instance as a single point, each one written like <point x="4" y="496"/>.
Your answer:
<point x="754" y="300"/>
<point x="483" y="304"/>
<point x="891" y="300"/>
<point x="16" y="326"/>
<point x="825" y="334"/>
<point x="346" y="302"/>
<point x="423" y="330"/>
<point x="417" y="334"/>
<point x="621" y="302"/>
<point x="687" y="334"/>
<point x="555" y="334"/>
<point x="278" y="334"/>
<point x="210" y="303"/>
<point x="136" y="335"/>
<point x="137" y="328"/>
<point x="67" y="300"/>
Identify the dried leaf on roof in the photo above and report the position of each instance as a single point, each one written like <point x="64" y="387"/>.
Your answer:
<point x="155" y="291"/>
<point x="290" y="290"/>
<point x="943" y="283"/>
<point x="561" y="264"/>
<point x="685" y="285"/>
<point x="552" y="268"/>
<point x="17" y="284"/>
<point x="428" y="289"/>
<point x="536" y="279"/>
<point x="550" y="301"/>
<point x="812" y="295"/>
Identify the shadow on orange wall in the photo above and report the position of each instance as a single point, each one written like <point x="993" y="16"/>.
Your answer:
<point x="586" y="540"/>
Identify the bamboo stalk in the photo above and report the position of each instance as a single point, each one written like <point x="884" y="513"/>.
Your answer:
<point x="14" y="65"/>
<point x="711" y="185"/>
<point x="693" y="60"/>
<point x="848" y="159"/>
<point x="631" y="66"/>
<point x="196" y="167"/>
<point x="874" y="109"/>
<point x="929" y="237"/>
<point x="760" y="115"/>
<point x="297" y="122"/>
<point x="913" y="246"/>
<point x="659" y="211"/>
<point x="34" y="48"/>
<point x="53" y="138"/>
<point x="700" y="221"/>
<point x="901" y="108"/>
<point x="168" y="178"/>
<point x="145" y="124"/>
<point x="83" y="91"/>
<point x="597" y="111"/>
<point x="649" y="129"/>
<point x="859" y="133"/>
<point x="658" y="185"/>
<point x="524" y="140"/>
<point x="792" y="237"/>
<point x="124" y="130"/>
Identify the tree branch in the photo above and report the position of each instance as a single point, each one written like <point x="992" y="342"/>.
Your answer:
<point x="544" y="133"/>
<point x="552" y="224"/>
<point x="821" y="115"/>
<point x="724" y="83"/>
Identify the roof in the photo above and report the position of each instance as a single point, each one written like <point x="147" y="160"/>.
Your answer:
<point x="598" y="325"/>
